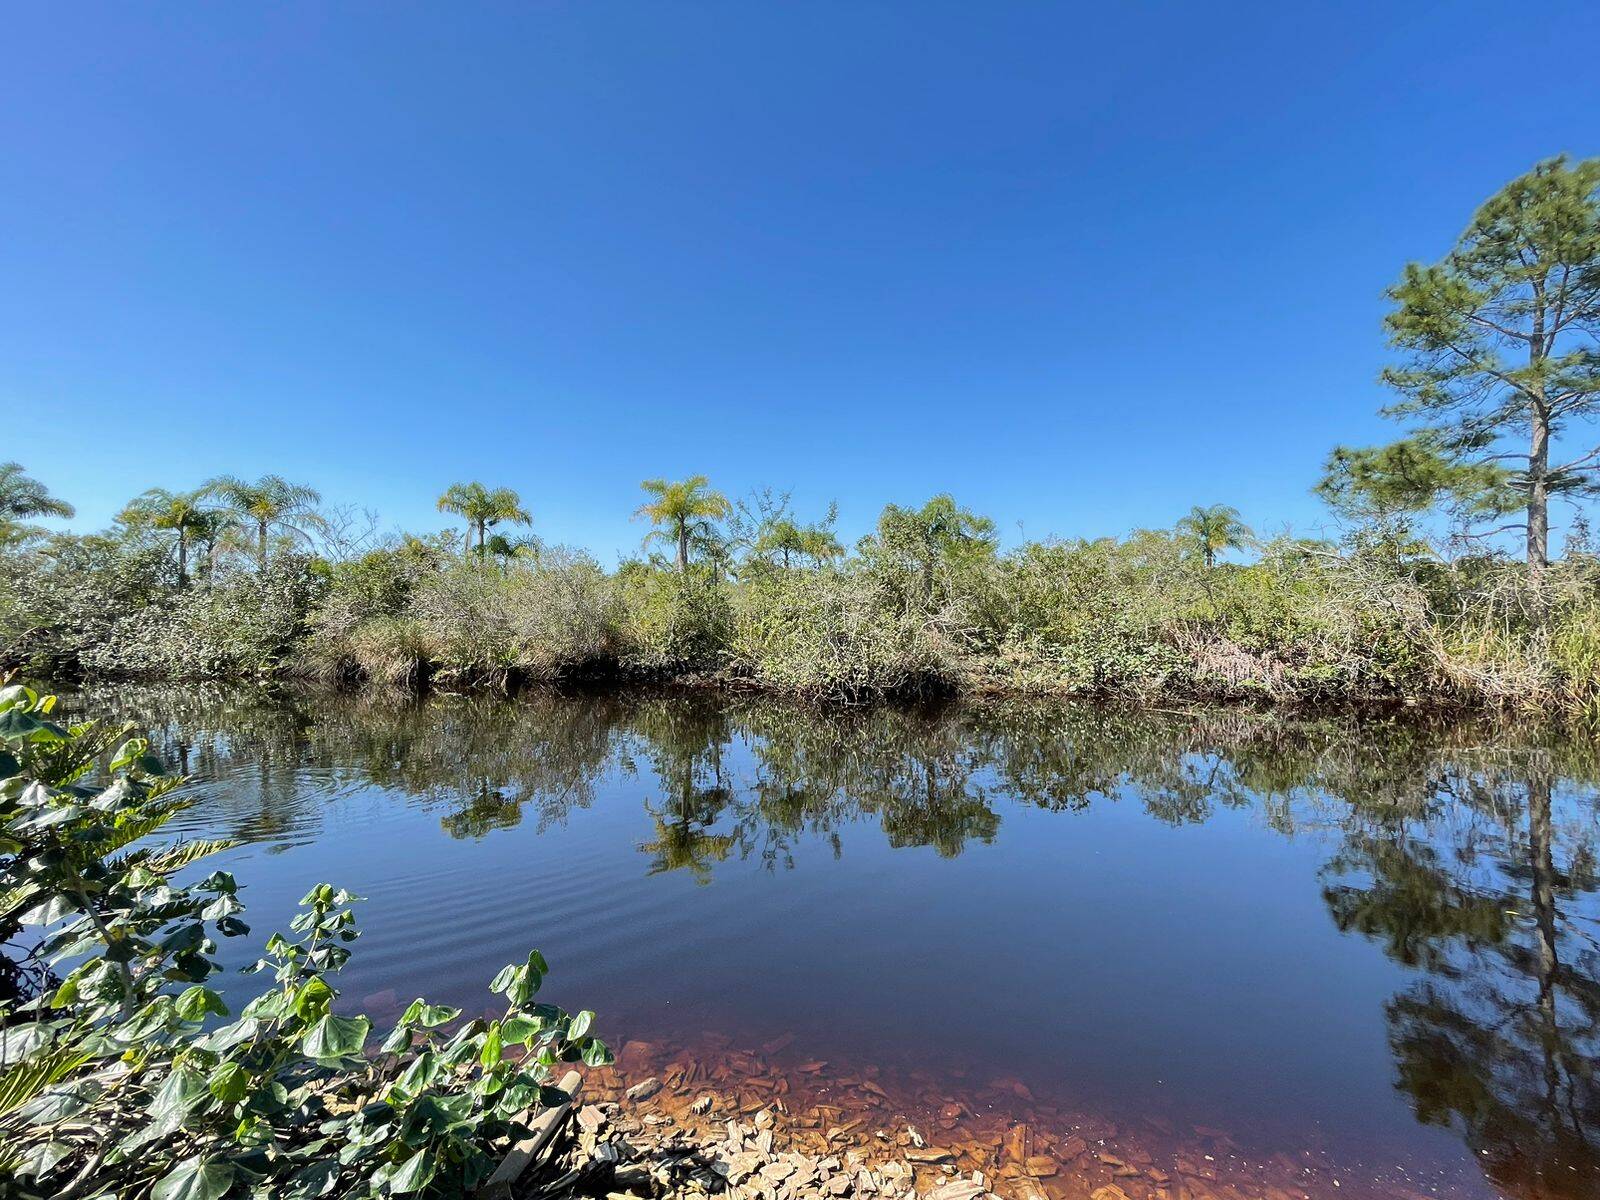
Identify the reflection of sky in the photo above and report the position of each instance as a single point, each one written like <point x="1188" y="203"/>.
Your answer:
<point x="1163" y="946"/>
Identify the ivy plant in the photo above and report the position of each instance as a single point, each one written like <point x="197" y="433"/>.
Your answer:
<point x="123" y="1071"/>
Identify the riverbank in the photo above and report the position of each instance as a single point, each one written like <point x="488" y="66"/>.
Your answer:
<point x="1140" y="620"/>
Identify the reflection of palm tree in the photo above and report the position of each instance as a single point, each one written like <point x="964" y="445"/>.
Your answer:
<point x="686" y="744"/>
<point x="683" y="842"/>
<point x="486" y="810"/>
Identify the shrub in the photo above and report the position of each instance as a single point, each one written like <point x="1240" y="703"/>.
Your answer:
<point x="61" y="601"/>
<point x="563" y="614"/>
<point x="836" y="633"/>
<point x="130" y="1076"/>
<point x="674" y="620"/>
<point x="242" y="623"/>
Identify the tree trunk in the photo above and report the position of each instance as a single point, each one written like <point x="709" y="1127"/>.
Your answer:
<point x="466" y="542"/>
<point x="261" y="544"/>
<point x="683" y="548"/>
<point x="1539" y="346"/>
<point x="183" y="559"/>
<point x="1539" y="493"/>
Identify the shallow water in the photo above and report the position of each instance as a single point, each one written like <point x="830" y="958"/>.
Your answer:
<point x="1364" y="951"/>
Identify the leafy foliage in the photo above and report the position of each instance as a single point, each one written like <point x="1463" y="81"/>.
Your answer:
<point x="124" y="1073"/>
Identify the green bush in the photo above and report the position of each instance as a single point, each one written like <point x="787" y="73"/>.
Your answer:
<point x="239" y="624"/>
<point x="674" y="620"/>
<point x="926" y="602"/>
<point x="827" y="632"/>
<point x="127" y="1075"/>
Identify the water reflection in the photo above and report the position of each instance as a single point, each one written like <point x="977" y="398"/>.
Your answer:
<point x="1499" y="1038"/>
<point x="1466" y="854"/>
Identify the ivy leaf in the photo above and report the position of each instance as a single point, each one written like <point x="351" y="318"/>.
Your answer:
<point x="421" y="1073"/>
<point x="413" y="1174"/>
<point x="315" y="1179"/>
<point x="42" y="1158"/>
<point x="518" y="1029"/>
<point x="229" y="1083"/>
<point x="194" y="1179"/>
<point x="493" y="1048"/>
<point x="312" y="1000"/>
<point x="335" y="1037"/>
<point x="179" y="1092"/>
<point x="197" y="1001"/>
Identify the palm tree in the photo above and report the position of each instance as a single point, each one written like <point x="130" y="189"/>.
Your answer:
<point x="180" y="513"/>
<point x="1213" y="530"/>
<point x="788" y="539"/>
<point x="269" y="503"/>
<point x="23" y="496"/>
<point x="505" y="549"/>
<point x="483" y="509"/>
<point x="684" y="510"/>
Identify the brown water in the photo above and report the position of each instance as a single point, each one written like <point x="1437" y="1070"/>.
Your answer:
<point x="1253" y="955"/>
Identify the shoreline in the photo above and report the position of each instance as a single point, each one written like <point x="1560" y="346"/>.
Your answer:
<point x="512" y="686"/>
<point x="760" y="1129"/>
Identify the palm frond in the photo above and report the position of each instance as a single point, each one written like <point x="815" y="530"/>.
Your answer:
<point x="24" y="1080"/>
<point x="175" y="858"/>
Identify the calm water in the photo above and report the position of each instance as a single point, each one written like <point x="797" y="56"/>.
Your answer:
<point x="1374" y="940"/>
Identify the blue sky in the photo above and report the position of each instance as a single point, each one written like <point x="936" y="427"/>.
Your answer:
<point x="1081" y="265"/>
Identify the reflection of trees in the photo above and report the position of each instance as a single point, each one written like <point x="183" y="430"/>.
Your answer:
<point x="484" y="764"/>
<point x="686" y="738"/>
<point x="1467" y="852"/>
<point x="1500" y="1038"/>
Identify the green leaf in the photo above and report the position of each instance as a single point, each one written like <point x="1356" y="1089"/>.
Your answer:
<point x="580" y="1024"/>
<point x="312" y="1000"/>
<point x="41" y="1159"/>
<point x="597" y="1054"/>
<point x="230" y="1083"/>
<point x="335" y="1037"/>
<point x="420" y="1074"/>
<point x="180" y="1091"/>
<point x="493" y="1048"/>
<point x="516" y="1030"/>
<point x="413" y="1174"/>
<point x="197" y="1001"/>
<point x="314" y="1179"/>
<point x="194" y="1179"/>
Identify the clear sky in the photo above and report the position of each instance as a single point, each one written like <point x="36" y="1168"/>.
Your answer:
<point x="1082" y="265"/>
